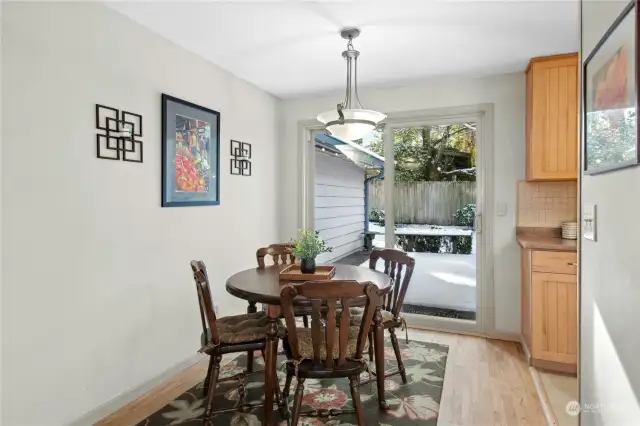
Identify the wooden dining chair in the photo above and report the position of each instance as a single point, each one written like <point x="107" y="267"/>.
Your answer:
<point x="281" y="255"/>
<point x="327" y="349"/>
<point x="399" y="266"/>
<point x="233" y="334"/>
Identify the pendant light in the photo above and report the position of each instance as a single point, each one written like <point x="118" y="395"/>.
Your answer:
<point x="347" y="121"/>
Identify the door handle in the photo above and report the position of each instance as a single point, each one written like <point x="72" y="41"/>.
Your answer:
<point x="572" y="263"/>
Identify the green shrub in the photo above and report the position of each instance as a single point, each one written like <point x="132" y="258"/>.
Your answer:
<point x="462" y="244"/>
<point x="447" y="244"/>
<point x="403" y="242"/>
<point x="424" y="243"/>
<point x="466" y="215"/>
<point x="420" y="243"/>
<point x="377" y="215"/>
<point x="429" y="243"/>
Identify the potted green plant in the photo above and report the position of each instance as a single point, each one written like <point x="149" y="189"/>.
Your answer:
<point x="308" y="246"/>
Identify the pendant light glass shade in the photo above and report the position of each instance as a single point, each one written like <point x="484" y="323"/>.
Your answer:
<point x="357" y="122"/>
<point x="349" y="122"/>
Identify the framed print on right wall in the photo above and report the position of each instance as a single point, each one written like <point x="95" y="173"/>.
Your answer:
<point x="610" y="79"/>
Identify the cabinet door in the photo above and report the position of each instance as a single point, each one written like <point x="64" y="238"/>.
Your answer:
<point x="553" y="132"/>
<point x="554" y="317"/>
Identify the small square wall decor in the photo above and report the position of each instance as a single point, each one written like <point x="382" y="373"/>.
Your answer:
<point x="241" y="158"/>
<point x="190" y="154"/>
<point x="119" y="134"/>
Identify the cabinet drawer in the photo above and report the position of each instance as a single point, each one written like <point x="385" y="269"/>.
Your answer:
<point x="559" y="262"/>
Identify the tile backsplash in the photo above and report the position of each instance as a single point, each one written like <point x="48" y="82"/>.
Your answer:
<point x="546" y="204"/>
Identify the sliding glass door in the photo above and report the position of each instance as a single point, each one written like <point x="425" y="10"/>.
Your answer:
<point x="431" y="211"/>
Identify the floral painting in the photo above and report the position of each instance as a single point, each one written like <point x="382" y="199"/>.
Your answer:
<point x="193" y="138"/>
<point x="191" y="150"/>
<point x="416" y="403"/>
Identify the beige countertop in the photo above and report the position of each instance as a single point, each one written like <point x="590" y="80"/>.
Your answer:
<point x="546" y="242"/>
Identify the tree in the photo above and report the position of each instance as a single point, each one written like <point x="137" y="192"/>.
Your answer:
<point x="431" y="153"/>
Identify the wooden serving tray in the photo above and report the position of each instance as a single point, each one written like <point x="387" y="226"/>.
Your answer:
<point x="293" y="273"/>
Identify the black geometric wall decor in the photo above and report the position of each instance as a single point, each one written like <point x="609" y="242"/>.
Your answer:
<point x="117" y="134"/>
<point x="241" y="161"/>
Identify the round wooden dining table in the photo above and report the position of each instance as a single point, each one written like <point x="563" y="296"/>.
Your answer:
<point x="263" y="285"/>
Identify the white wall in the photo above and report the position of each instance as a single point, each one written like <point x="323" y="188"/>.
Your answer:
<point x="97" y="291"/>
<point x="339" y="205"/>
<point x="507" y="93"/>
<point x="610" y="276"/>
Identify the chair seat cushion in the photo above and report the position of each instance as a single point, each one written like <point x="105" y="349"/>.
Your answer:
<point x="305" y="343"/>
<point x="355" y="316"/>
<point x="245" y="328"/>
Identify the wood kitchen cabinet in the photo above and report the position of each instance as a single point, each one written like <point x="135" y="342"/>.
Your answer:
<point x="549" y="309"/>
<point x="552" y="118"/>
<point x="554" y="320"/>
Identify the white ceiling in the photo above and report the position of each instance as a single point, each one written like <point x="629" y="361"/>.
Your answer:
<point x="293" y="47"/>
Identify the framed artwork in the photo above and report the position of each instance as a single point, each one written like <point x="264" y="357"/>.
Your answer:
<point x="190" y="154"/>
<point x="610" y="79"/>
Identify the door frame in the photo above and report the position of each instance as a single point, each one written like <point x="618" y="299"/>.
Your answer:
<point x="482" y="114"/>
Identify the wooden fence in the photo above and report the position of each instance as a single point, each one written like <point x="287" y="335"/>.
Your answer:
<point x="424" y="202"/>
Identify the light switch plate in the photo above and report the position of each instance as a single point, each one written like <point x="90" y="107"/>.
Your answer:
<point x="502" y="208"/>
<point x="589" y="223"/>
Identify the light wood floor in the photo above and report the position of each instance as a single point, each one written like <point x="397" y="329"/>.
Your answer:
<point x="486" y="383"/>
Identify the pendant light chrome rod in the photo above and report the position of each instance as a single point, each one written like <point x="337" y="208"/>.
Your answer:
<point x="350" y="121"/>
<point x="347" y="103"/>
<point x="355" y="81"/>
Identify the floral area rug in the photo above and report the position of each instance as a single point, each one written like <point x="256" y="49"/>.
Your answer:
<point x="416" y="403"/>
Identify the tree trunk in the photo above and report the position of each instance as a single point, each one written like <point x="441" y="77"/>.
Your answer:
<point x="434" y="173"/>
<point x="426" y="152"/>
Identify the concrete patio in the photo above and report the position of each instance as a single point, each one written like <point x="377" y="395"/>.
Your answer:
<point x="446" y="281"/>
<point x="440" y="280"/>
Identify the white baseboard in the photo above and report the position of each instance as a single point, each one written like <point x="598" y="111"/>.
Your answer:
<point x="114" y="404"/>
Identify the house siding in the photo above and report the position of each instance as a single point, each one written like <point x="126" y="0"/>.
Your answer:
<point x="339" y="205"/>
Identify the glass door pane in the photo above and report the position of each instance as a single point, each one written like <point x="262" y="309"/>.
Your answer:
<point x="434" y="197"/>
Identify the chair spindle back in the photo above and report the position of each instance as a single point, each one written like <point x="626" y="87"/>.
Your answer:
<point x="278" y="252"/>
<point x="394" y="263"/>
<point x="207" y="313"/>
<point x="324" y="297"/>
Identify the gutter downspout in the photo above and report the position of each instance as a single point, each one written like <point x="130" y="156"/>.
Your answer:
<point x="366" y="198"/>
